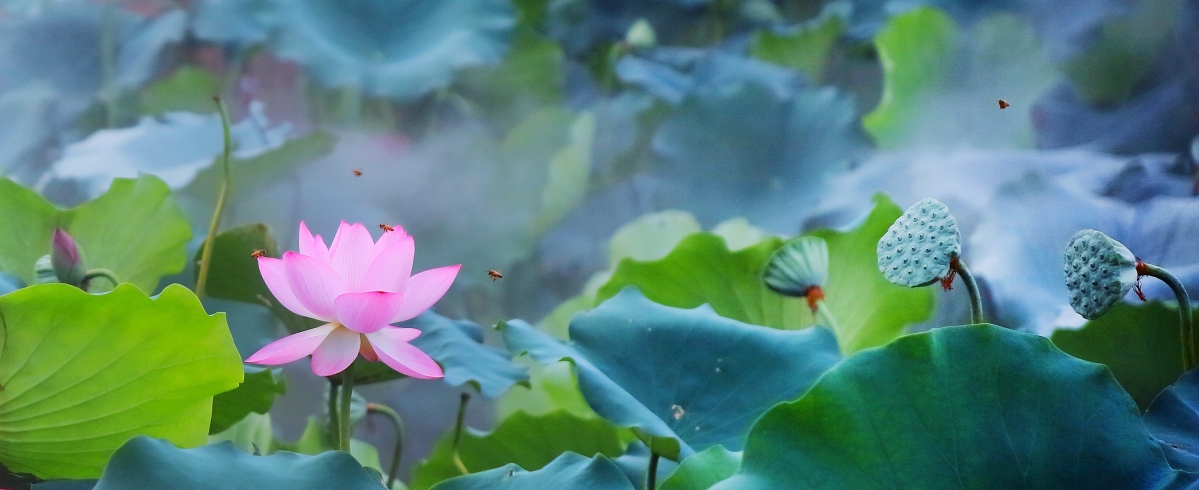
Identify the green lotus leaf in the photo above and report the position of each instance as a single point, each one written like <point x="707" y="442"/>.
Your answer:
<point x="1174" y="421"/>
<point x="552" y="388"/>
<point x="153" y="463"/>
<point x="528" y="441"/>
<point x="914" y="50"/>
<point x="134" y="230"/>
<point x="669" y="373"/>
<point x="804" y="48"/>
<point x="398" y="49"/>
<point x="703" y="469"/>
<point x="569" y="470"/>
<point x="942" y="84"/>
<point x="976" y="406"/>
<point x="870" y="311"/>
<point x="189" y="89"/>
<point x="234" y="274"/>
<point x="253" y="432"/>
<point x="83" y="373"/>
<point x="1139" y="343"/>
<point x="256" y="394"/>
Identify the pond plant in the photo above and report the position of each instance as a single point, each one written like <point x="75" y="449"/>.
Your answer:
<point x="707" y="282"/>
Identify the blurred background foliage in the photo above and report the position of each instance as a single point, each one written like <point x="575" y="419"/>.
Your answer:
<point x="572" y="144"/>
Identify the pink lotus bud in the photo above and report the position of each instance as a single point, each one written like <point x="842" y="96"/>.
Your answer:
<point x="64" y="258"/>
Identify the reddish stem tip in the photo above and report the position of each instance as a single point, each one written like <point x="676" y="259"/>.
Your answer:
<point x="947" y="281"/>
<point x="814" y="294"/>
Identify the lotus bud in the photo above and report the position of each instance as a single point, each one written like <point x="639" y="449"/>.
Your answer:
<point x="64" y="258"/>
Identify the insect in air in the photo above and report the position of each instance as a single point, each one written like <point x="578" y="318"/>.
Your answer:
<point x="258" y="253"/>
<point x="386" y="227"/>
<point x="357" y="172"/>
<point x="494" y="274"/>
<point x="1003" y="104"/>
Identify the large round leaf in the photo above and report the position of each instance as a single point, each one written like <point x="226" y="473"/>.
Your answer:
<point x="568" y="471"/>
<point x="83" y="373"/>
<point x="1174" y="419"/>
<point x="1141" y="344"/>
<point x="684" y="380"/>
<point x="393" y="48"/>
<point x="870" y="311"/>
<point x="154" y="463"/>
<point x="134" y="230"/>
<point x="529" y="441"/>
<point x="975" y="406"/>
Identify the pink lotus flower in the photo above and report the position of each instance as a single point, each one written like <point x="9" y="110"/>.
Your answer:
<point x="359" y="286"/>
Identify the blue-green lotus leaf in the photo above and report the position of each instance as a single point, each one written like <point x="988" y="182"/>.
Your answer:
<point x="684" y="380"/>
<point x="1173" y="418"/>
<point x="976" y="406"/>
<point x="10" y="283"/>
<point x="745" y="149"/>
<point x="458" y="346"/>
<point x="144" y="462"/>
<point x="703" y="469"/>
<point x="400" y="49"/>
<point x="568" y="471"/>
<point x="635" y="464"/>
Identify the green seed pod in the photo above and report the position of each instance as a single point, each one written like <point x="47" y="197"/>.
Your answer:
<point x="43" y="271"/>
<point x="918" y="248"/>
<point x="797" y="266"/>
<point x="1099" y="272"/>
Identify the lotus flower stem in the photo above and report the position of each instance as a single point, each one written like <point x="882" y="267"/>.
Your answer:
<point x="343" y="414"/>
<point x="94" y="273"/>
<point x="651" y="474"/>
<point x="826" y="315"/>
<point x="976" y="299"/>
<point x="462" y="402"/>
<point x="1185" y="320"/>
<point x="215" y="224"/>
<point x="334" y="420"/>
<point x="401" y="431"/>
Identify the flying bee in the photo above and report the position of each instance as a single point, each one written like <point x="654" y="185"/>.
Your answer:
<point x="258" y="254"/>
<point x="1003" y="104"/>
<point x="357" y="172"/>
<point x="494" y="274"/>
<point x="386" y="227"/>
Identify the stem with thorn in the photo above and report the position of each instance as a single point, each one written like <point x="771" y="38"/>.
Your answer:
<point x="976" y="300"/>
<point x="462" y="402"/>
<point x="1185" y="320"/>
<point x="398" y="423"/>
<point x="651" y="475"/>
<point x="215" y="224"/>
<point x="343" y="414"/>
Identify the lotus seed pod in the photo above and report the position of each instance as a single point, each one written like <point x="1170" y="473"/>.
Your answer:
<point x="1099" y="272"/>
<point x="797" y="266"/>
<point x="43" y="271"/>
<point x="917" y="249"/>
